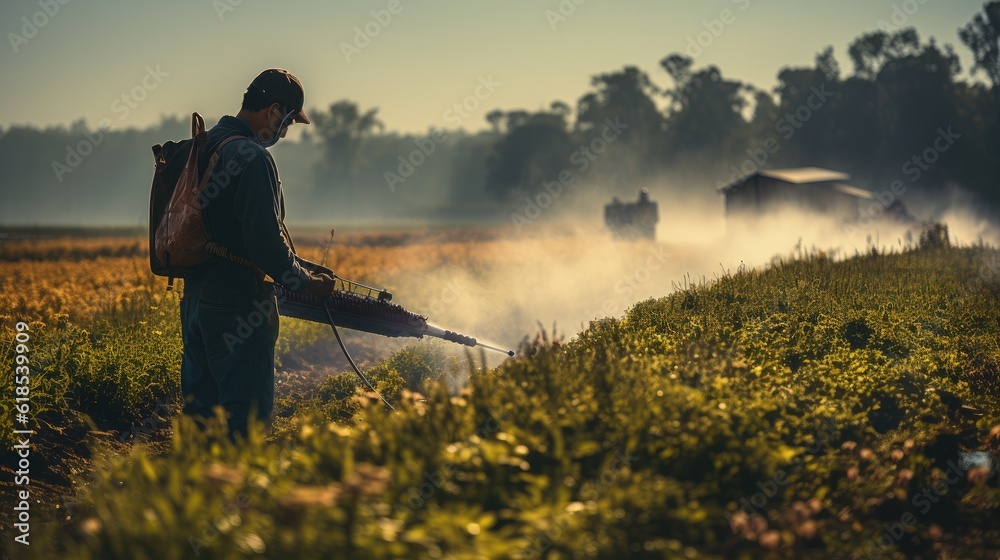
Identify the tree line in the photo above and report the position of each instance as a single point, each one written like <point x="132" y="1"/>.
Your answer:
<point x="898" y="111"/>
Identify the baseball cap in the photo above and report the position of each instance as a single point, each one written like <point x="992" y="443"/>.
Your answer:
<point x="281" y="86"/>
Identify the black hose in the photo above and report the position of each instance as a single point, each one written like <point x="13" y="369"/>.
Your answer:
<point x="347" y="354"/>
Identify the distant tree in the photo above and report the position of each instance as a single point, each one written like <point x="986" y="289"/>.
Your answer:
<point x="626" y="94"/>
<point x="872" y="51"/>
<point x="561" y="109"/>
<point x="921" y="89"/>
<point x="342" y="131"/>
<point x="535" y="148"/>
<point x="827" y="65"/>
<point x="625" y="97"/>
<point x="977" y="156"/>
<point x="466" y="181"/>
<point x="981" y="113"/>
<point x="678" y="67"/>
<point x="765" y="112"/>
<point x="706" y="111"/>
<point x="807" y="114"/>
<point x="513" y="119"/>
<point x="982" y="36"/>
<point x="862" y="117"/>
<point x="898" y="97"/>
<point x="495" y="118"/>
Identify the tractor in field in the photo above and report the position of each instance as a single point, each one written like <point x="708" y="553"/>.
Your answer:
<point x="632" y="220"/>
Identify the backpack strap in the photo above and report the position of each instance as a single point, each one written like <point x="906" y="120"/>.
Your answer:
<point x="197" y="124"/>
<point x="216" y="154"/>
<point x="220" y="251"/>
<point x="214" y="160"/>
<point x="212" y="246"/>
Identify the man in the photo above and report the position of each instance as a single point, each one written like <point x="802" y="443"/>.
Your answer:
<point x="229" y="316"/>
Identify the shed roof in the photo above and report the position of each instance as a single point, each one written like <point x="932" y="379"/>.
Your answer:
<point x="854" y="191"/>
<point x="797" y="175"/>
<point x="802" y="175"/>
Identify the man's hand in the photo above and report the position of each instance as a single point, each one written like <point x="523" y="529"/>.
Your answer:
<point x="313" y="268"/>
<point x="320" y="269"/>
<point x="320" y="286"/>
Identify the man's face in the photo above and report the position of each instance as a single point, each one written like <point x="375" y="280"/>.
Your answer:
<point x="275" y="114"/>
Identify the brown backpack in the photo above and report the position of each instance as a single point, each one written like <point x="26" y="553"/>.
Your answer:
<point x="177" y="233"/>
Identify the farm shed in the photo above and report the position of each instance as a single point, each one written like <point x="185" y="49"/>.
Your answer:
<point x="808" y="189"/>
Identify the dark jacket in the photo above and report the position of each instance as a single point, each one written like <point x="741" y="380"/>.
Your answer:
<point x="243" y="208"/>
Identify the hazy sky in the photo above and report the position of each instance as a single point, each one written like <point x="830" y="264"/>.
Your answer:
<point x="199" y="55"/>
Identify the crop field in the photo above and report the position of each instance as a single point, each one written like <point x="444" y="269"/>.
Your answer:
<point x="821" y="406"/>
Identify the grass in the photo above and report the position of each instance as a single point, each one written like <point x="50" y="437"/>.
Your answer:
<point x="813" y="409"/>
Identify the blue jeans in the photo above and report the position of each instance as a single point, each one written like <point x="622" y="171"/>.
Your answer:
<point x="229" y="325"/>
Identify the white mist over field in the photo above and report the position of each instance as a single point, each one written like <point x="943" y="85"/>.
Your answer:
<point x="540" y="275"/>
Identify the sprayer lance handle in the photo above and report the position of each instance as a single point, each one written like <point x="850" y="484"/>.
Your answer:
<point x="453" y="336"/>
